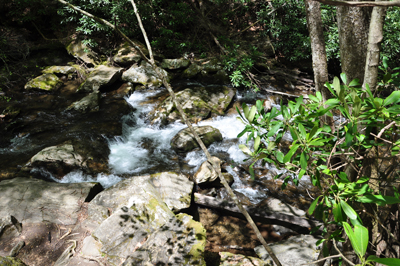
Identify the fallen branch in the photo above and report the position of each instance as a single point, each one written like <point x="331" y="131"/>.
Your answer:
<point x="257" y="213"/>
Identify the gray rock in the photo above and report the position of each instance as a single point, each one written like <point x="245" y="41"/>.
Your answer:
<point x="58" y="160"/>
<point x="297" y="250"/>
<point x="174" y="189"/>
<point x="100" y="77"/>
<point x="184" y="140"/>
<point x="127" y="55"/>
<point x="228" y="259"/>
<point x="143" y="74"/>
<point x="206" y="173"/>
<point x="143" y="230"/>
<point x="47" y="82"/>
<point x="175" y="63"/>
<point x="35" y="201"/>
<point x="89" y="103"/>
<point x="81" y="51"/>
<point x="191" y="71"/>
<point x="64" y="70"/>
<point x="198" y="103"/>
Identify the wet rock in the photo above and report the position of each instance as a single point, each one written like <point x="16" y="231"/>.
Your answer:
<point x="184" y="140"/>
<point x="142" y="229"/>
<point x="64" y="70"/>
<point x="297" y="250"/>
<point x="34" y="201"/>
<point x="228" y="258"/>
<point x="175" y="63"/>
<point x="198" y="103"/>
<point x="89" y="103"/>
<point x="143" y="74"/>
<point x="10" y="261"/>
<point x="59" y="160"/>
<point x="81" y="51"/>
<point x="100" y="77"/>
<point x="127" y="55"/>
<point x="46" y="82"/>
<point x="192" y="71"/>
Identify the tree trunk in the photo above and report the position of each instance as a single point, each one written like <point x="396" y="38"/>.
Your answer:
<point x="375" y="38"/>
<point x="353" y="25"/>
<point x="320" y="64"/>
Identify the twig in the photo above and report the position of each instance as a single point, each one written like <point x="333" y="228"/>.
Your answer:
<point x="387" y="141"/>
<point x="386" y="127"/>
<point x="340" y="253"/>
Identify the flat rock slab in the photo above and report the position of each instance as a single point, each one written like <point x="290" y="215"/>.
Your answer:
<point x="46" y="82"/>
<point x="35" y="201"/>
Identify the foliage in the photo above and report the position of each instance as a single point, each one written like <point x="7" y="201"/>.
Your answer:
<point x="239" y="64"/>
<point x="391" y="38"/>
<point x="323" y="154"/>
<point x="389" y="76"/>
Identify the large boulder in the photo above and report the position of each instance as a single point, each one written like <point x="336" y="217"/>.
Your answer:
<point x="198" y="103"/>
<point x="297" y="250"/>
<point x="138" y="228"/>
<point x="60" y="160"/>
<point x="127" y="55"/>
<point x="46" y="82"/>
<point x="174" y="189"/>
<point x="100" y="77"/>
<point x="143" y="74"/>
<point x="79" y="50"/>
<point x="184" y="140"/>
<point x="31" y="200"/>
<point x="89" y="103"/>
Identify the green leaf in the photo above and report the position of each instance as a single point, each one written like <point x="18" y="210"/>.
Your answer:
<point x="350" y="234"/>
<point x="303" y="133"/>
<point x="391" y="200"/>
<point x="313" y="131"/>
<point x="279" y="156"/>
<point x="313" y="98"/>
<point x="384" y="261"/>
<point x="368" y="91"/>
<point x="313" y="205"/>
<point x="336" y="85"/>
<point x="257" y="143"/>
<point x="394" y="97"/>
<point x="332" y="102"/>
<point x="245" y="110"/>
<point x="251" y="114"/>
<point x="251" y="170"/>
<point x="343" y="78"/>
<point x="369" y="198"/>
<point x="354" y="82"/>
<point x="245" y="149"/>
<point x="362" y="179"/>
<point x="259" y="105"/>
<point x="303" y="161"/>
<point x="337" y="213"/>
<point x="361" y="236"/>
<point x="275" y="128"/>
<point x="348" y="210"/>
<point x="293" y="133"/>
<point x="385" y="61"/>
<point x="289" y="155"/>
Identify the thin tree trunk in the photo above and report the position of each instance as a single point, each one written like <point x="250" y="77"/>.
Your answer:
<point x="179" y="107"/>
<point x="320" y="64"/>
<point x="375" y="38"/>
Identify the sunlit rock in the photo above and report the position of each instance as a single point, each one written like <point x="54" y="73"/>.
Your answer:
<point x="297" y="250"/>
<point x="100" y="77"/>
<point x="89" y="103"/>
<point x="228" y="259"/>
<point x="127" y="55"/>
<point x="143" y="74"/>
<point x="47" y="82"/>
<point x="207" y="176"/>
<point x="175" y="63"/>
<point x="81" y="51"/>
<point x="184" y="140"/>
<point x="141" y="228"/>
<point x="64" y="70"/>
<point x="198" y="103"/>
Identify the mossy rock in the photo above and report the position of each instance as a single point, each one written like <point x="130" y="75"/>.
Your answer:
<point x="46" y="82"/>
<point x="11" y="261"/>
